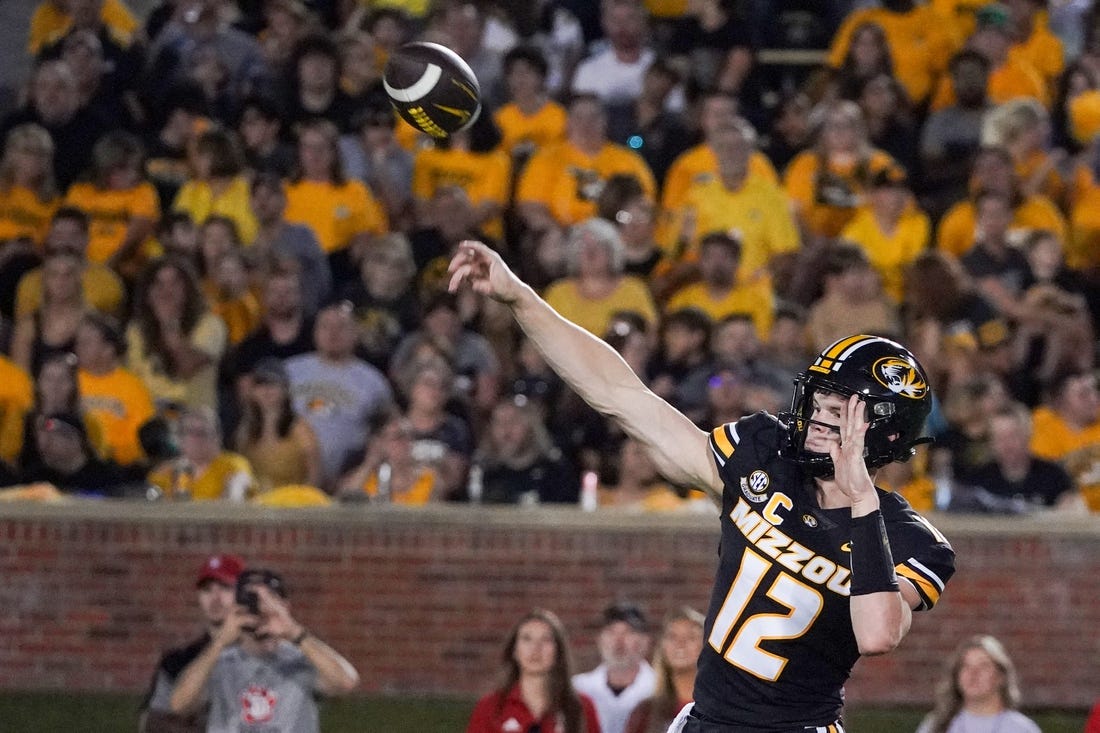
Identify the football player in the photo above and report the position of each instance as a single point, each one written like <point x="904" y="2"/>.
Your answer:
<point x="817" y="566"/>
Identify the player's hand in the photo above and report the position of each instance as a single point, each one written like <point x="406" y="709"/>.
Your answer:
<point x="851" y="473"/>
<point x="484" y="271"/>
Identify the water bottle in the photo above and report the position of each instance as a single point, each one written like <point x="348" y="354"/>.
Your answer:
<point x="943" y="479"/>
<point x="385" y="483"/>
<point x="183" y="477"/>
<point x="589" y="494"/>
<point x="475" y="485"/>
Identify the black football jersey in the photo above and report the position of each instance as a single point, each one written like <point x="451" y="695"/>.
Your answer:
<point x="779" y="644"/>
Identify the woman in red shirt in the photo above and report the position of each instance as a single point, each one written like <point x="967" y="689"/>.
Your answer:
<point x="537" y="693"/>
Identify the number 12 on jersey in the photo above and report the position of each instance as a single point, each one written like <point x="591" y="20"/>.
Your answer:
<point x="804" y="604"/>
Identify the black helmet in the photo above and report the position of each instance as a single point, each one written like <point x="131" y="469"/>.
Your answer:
<point x="888" y="379"/>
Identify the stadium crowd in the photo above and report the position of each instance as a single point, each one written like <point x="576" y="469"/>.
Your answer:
<point x="223" y="257"/>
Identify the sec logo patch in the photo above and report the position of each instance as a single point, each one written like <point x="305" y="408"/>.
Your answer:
<point x="754" y="485"/>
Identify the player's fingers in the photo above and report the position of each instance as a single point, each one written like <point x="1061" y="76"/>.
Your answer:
<point x="456" y="280"/>
<point x="474" y="248"/>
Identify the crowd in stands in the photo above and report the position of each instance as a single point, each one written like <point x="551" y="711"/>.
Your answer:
<point x="223" y="256"/>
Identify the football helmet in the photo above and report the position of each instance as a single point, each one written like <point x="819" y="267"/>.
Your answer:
<point x="889" y="380"/>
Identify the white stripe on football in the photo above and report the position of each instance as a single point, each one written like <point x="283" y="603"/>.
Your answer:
<point x="419" y="88"/>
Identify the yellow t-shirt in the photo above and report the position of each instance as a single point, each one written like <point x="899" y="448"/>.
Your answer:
<point x="197" y="198"/>
<point x="1077" y="450"/>
<point x="121" y="403"/>
<point x="335" y="213"/>
<point x="800" y="181"/>
<point x="755" y="298"/>
<point x="1083" y="247"/>
<point x="103" y="290"/>
<point x="699" y="164"/>
<point x="24" y="214"/>
<point x="485" y="177"/>
<point x="417" y="494"/>
<point x="200" y="390"/>
<point x="16" y="399"/>
<point x="958" y="226"/>
<point x="49" y="21"/>
<point x="594" y="316"/>
<point x="921" y="43"/>
<point x="242" y="315"/>
<point x="960" y="13"/>
<point x="415" y="8"/>
<point x="110" y="213"/>
<point x="1052" y="185"/>
<point x="1053" y="439"/>
<point x="284" y="461"/>
<point x="758" y="212"/>
<point x="1042" y="51"/>
<point x="1014" y="78"/>
<point x="889" y="254"/>
<point x="568" y="181"/>
<point x="214" y="481"/>
<point x="667" y="8"/>
<point x="545" y="127"/>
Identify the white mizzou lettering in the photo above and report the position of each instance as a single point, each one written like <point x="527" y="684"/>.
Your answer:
<point x="771" y="541"/>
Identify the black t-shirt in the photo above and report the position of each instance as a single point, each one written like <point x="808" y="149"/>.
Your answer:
<point x="1044" y="483"/>
<point x="260" y="344"/>
<point x="72" y="141"/>
<point x="94" y="478"/>
<point x="707" y="50"/>
<point x="383" y="323"/>
<point x="339" y="112"/>
<point x="1010" y="267"/>
<point x="168" y="670"/>
<point x="551" y="478"/>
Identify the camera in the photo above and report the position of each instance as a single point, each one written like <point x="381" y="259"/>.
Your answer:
<point x="246" y="595"/>
<point x="248" y="598"/>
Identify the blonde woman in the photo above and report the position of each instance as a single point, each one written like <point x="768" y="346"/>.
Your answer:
<point x="675" y="663"/>
<point x="28" y="194"/>
<point x="826" y="183"/>
<point x="1022" y="126"/>
<point x="978" y="692"/>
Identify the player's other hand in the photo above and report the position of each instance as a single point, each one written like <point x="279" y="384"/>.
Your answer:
<point x="484" y="271"/>
<point x="851" y="473"/>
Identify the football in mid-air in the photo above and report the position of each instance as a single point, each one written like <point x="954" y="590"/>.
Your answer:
<point x="432" y="88"/>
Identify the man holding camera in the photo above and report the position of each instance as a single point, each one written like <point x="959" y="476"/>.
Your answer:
<point x="262" y="669"/>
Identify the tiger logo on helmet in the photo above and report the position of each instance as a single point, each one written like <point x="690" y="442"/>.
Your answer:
<point x="900" y="376"/>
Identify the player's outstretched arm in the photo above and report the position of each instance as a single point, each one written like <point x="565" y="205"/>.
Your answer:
<point x="594" y="370"/>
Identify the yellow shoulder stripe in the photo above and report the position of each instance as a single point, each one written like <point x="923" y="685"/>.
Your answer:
<point x="722" y="441"/>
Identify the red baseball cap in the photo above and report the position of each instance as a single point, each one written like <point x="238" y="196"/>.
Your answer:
<point x="222" y="568"/>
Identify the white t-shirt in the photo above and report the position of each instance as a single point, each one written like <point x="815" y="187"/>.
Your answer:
<point x="614" y="710"/>
<point x="610" y="79"/>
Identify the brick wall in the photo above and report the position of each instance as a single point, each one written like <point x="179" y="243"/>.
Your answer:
<point x="420" y="600"/>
